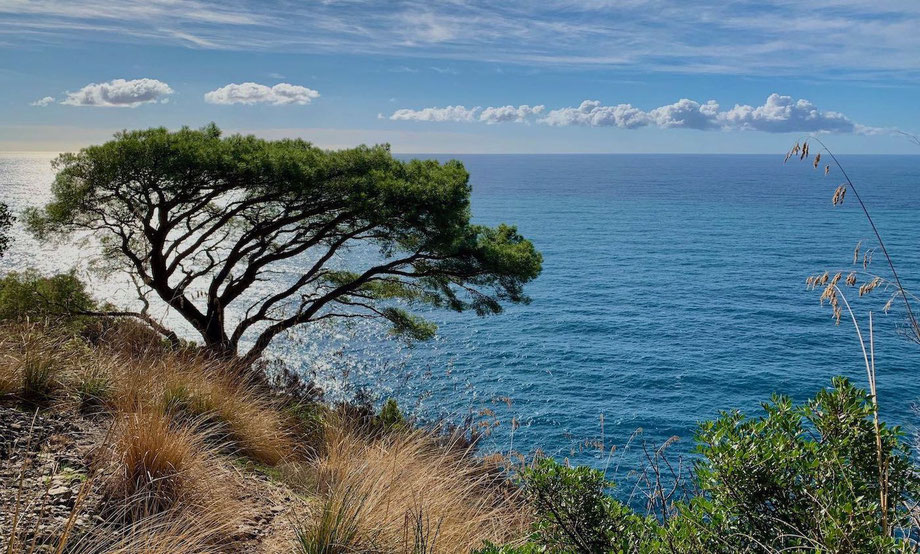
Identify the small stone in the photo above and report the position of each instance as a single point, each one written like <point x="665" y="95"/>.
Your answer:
<point x="59" y="491"/>
<point x="277" y="509"/>
<point x="246" y="531"/>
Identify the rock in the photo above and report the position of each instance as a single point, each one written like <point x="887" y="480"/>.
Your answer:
<point x="246" y="531"/>
<point x="59" y="491"/>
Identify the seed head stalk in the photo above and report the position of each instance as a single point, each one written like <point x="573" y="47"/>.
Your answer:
<point x="869" y="359"/>
<point x="910" y="313"/>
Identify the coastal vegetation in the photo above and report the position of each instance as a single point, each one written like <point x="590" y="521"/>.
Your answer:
<point x="119" y="435"/>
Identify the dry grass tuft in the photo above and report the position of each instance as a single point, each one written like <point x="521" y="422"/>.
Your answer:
<point x="215" y="392"/>
<point x="31" y="365"/>
<point x="124" y="368"/>
<point x="159" y="465"/>
<point x="404" y="489"/>
<point x="336" y="529"/>
<point x="159" y="501"/>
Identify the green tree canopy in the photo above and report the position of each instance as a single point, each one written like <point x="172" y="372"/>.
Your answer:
<point x="200" y="220"/>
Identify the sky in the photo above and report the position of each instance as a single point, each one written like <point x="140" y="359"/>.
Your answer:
<point x="468" y="76"/>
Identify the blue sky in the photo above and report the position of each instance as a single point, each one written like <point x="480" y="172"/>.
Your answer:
<point x="468" y="76"/>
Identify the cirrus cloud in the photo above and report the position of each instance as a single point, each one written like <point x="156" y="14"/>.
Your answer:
<point x="120" y="93"/>
<point x="253" y="93"/>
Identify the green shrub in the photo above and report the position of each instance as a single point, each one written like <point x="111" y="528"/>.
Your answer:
<point x="574" y="513"/>
<point x="391" y="417"/>
<point x="31" y="295"/>
<point x="799" y="478"/>
<point x="802" y="477"/>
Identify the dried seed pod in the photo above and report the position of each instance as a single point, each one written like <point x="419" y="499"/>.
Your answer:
<point x="817" y="160"/>
<point x="851" y="279"/>
<point x="827" y="169"/>
<point x="856" y="252"/>
<point x="888" y="305"/>
<point x="839" y="193"/>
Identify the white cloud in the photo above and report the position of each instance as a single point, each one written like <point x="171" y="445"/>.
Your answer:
<point x="254" y="93"/>
<point x="686" y="114"/>
<point x="782" y="114"/>
<point x="502" y="114"/>
<point x="592" y="114"/>
<point x="119" y="93"/>
<point x="449" y="113"/>
<point x="778" y="114"/>
<point x="42" y="102"/>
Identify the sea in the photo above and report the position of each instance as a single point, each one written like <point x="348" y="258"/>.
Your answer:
<point x="673" y="289"/>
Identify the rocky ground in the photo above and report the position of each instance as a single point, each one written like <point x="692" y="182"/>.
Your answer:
<point x="44" y="461"/>
<point x="46" y="457"/>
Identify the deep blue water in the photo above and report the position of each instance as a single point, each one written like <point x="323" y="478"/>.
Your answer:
<point x="673" y="287"/>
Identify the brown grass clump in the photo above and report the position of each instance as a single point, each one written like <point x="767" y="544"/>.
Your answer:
<point x="30" y="364"/>
<point x="165" y="493"/>
<point x="202" y="388"/>
<point x="403" y="491"/>
<point x="129" y="369"/>
<point x="159" y="465"/>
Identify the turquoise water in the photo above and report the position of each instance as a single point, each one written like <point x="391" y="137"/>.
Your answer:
<point x="673" y="288"/>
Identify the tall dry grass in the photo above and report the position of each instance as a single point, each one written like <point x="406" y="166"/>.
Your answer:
<point x="405" y="491"/>
<point x="159" y="464"/>
<point x="161" y="469"/>
<point x="177" y="419"/>
<point x="164" y="496"/>
<point x="126" y="369"/>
